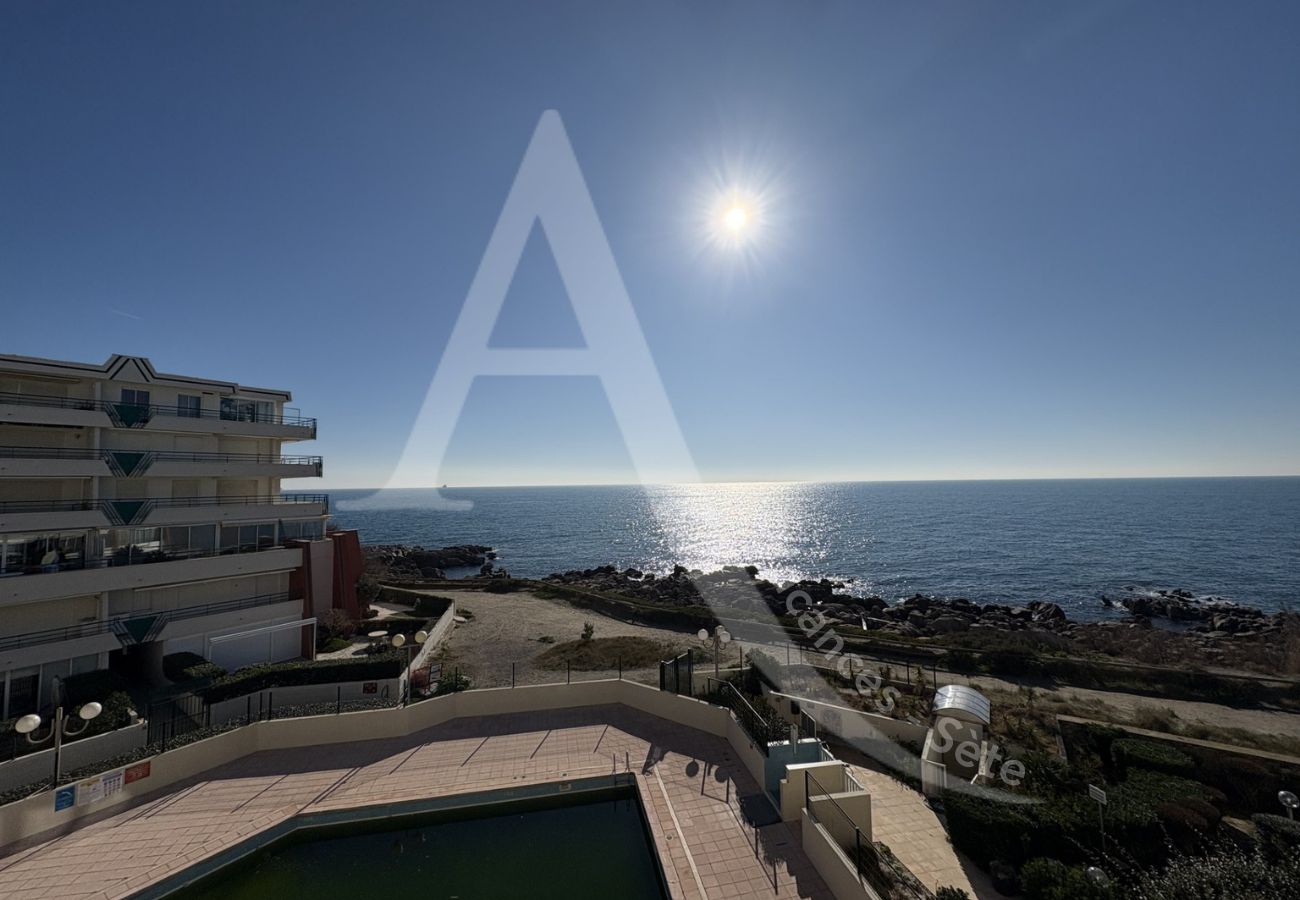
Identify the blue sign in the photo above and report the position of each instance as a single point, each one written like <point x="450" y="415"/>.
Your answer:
<point x="65" y="797"/>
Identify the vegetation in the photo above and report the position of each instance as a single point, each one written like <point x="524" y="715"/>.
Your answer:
<point x="188" y="667"/>
<point x="951" y="893"/>
<point x="452" y="684"/>
<point x="588" y="631"/>
<point x="252" y="679"/>
<point x="334" y="630"/>
<point x="592" y="654"/>
<point x="1131" y="752"/>
<point x="1050" y="879"/>
<point x="1279" y="836"/>
<point x="1226" y="874"/>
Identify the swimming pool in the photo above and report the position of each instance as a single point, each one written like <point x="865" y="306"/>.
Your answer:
<point x="567" y="844"/>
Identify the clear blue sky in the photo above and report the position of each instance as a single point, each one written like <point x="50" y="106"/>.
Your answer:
<point x="1005" y="239"/>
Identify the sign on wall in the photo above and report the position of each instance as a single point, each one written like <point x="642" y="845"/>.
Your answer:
<point x="65" y="798"/>
<point x="136" y="772"/>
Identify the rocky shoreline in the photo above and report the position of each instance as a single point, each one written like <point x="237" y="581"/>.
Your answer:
<point x="1175" y="622"/>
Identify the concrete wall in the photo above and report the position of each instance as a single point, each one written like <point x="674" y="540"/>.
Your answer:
<point x="35" y="766"/>
<point x="831" y="863"/>
<point x="36" y="815"/>
<point x="846" y="723"/>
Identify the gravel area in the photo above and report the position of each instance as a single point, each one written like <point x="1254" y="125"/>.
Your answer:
<point x="506" y="628"/>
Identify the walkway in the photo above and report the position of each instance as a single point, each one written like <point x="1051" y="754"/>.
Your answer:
<point x="690" y="783"/>
<point x="901" y="819"/>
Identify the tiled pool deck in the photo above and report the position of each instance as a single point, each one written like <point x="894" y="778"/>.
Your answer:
<point x="690" y="784"/>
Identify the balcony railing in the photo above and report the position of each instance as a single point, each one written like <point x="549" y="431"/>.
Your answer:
<point x="161" y="455"/>
<point x="114" y="508"/>
<point x="137" y="555"/>
<point x="92" y="629"/>
<point x="137" y="413"/>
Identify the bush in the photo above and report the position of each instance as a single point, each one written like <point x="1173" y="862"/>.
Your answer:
<point x="187" y="666"/>
<point x="1156" y="757"/>
<point x="1226" y="875"/>
<point x="588" y="631"/>
<point x="252" y="679"/>
<point x="951" y="893"/>
<point x="985" y="829"/>
<point x="1051" y="879"/>
<point x="451" y="684"/>
<point x="1277" y="835"/>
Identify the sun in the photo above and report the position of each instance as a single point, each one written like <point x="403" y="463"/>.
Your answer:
<point x="736" y="218"/>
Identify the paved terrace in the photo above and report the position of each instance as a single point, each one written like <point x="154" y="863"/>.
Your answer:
<point x="690" y="784"/>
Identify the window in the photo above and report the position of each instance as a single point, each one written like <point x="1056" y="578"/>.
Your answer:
<point x="189" y="406"/>
<point x="132" y="397"/>
<point x="246" y="538"/>
<point x="22" y="692"/>
<point x="310" y="530"/>
<point x="236" y="410"/>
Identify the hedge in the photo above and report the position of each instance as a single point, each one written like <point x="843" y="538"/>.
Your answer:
<point x="1151" y="755"/>
<point x="985" y="829"/>
<point x="186" y="666"/>
<point x="1051" y="879"/>
<point x="251" y="679"/>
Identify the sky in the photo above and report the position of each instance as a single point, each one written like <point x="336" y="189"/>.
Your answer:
<point x="997" y="239"/>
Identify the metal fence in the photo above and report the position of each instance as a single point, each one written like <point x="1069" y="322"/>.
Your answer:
<point x="678" y="675"/>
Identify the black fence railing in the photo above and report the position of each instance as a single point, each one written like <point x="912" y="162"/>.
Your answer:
<point x="761" y="729"/>
<point x="144" y="411"/>
<point x="678" y="675"/>
<point x="159" y="455"/>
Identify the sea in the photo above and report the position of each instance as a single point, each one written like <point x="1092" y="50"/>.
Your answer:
<point x="1068" y="541"/>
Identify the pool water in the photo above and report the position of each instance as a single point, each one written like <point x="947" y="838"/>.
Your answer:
<point x="588" y="848"/>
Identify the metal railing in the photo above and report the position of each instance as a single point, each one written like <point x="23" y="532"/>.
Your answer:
<point x="159" y="455"/>
<point x="762" y="730"/>
<point x="148" y="410"/>
<point x="862" y="854"/>
<point x="19" y="506"/>
<point x="91" y="629"/>
<point x="134" y="556"/>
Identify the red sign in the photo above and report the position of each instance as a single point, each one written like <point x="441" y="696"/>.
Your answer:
<point x="136" y="772"/>
<point x="370" y="687"/>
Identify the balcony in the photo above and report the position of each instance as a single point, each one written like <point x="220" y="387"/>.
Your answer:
<point x="135" y="568"/>
<point x="71" y="515"/>
<point x="47" y="462"/>
<point x="36" y="409"/>
<point x="124" y="626"/>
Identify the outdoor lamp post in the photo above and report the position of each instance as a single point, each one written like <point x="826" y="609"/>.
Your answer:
<point x="60" y="728"/>
<point x="399" y="641"/>
<point x="1289" y="801"/>
<point x="720" y="637"/>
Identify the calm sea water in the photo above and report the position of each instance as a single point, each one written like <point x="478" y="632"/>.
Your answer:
<point x="990" y="541"/>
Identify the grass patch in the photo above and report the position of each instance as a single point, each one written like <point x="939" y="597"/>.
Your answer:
<point x="334" y="644"/>
<point x="605" y="653"/>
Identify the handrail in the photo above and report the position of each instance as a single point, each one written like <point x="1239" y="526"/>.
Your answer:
<point x="12" y="506"/>
<point x="169" y="455"/>
<point x="151" y="409"/>
<point x="760" y="729"/>
<point x="103" y="626"/>
<point x="865" y="858"/>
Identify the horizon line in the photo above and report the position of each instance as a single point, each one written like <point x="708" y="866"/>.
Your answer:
<point x="738" y="481"/>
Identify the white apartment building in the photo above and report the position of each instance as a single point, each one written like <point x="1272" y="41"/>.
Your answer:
<point x="141" y="514"/>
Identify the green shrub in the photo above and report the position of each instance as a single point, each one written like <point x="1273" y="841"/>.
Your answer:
<point x="1228" y="874"/>
<point x="1277" y="835"/>
<point x="451" y="684"/>
<point x="951" y="893"/>
<point x="187" y="666"/>
<point x="985" y="829"/>
<point x="252" y="679"/>
<point x="1051" y="879"/>
<point x="1157" y="757"/>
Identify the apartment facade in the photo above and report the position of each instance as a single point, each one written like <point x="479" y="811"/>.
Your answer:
<point x="141" y="514"/>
